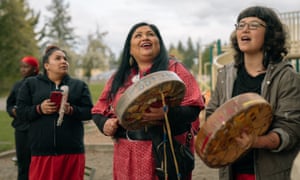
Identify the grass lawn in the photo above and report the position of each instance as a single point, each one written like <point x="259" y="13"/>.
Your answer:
<point x="7" y="141"/>
<point x="96" y="90"/>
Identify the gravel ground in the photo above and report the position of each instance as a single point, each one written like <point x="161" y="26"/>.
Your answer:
<point x="98" y="156"/>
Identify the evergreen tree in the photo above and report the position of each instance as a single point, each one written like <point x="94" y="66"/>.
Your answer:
<point x="180" y="48"/>
<point x="189" y="54"/>
<point x="57" y="29"/>
<point x="206" y="60"/>
<point x="175" y="53"/>
<point x="17" y="39"/>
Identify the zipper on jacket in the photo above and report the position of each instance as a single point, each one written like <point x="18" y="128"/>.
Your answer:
<point x="54" y="136"/>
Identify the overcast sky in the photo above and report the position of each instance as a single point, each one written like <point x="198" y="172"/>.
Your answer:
<point x="202" y="20"/>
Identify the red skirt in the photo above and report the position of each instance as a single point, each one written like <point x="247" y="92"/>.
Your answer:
<point x="62" y="167"/>
<point x="134" y="160"/>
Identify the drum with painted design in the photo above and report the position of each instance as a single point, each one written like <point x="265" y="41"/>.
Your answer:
<point x="146" y="93"/>
<point x="215" y="142"/>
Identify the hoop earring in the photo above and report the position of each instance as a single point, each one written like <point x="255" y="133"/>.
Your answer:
<point x="131" y="61"/>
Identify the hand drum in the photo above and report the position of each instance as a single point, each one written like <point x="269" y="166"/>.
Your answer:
<point x="215" y="142"/>
<point x="146" y="93"/>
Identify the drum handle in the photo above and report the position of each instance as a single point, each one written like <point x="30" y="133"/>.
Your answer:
<point x="168" y="131"/>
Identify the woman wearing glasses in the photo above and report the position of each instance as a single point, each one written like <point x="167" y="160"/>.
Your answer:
<point x="259" y="41"/>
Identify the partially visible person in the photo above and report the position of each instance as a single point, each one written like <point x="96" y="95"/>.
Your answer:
<point x="295" y="174"/>
<point x="29" y="66"/>
<point x="260" y="44"/>
<point x="144" y="52"/>
<point x="57" y="152"/>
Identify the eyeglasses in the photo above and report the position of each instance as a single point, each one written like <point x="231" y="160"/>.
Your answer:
<point x="251" y="25"/>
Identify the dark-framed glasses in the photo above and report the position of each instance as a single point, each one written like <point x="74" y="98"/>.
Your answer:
<point x="251" y="25"/>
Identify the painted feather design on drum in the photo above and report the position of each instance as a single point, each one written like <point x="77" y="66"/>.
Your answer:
<point x="215" y="142"/>
<point x="146" y="93"/>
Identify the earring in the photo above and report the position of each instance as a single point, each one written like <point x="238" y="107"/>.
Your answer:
<point x="265" y="54"/>
<point x="131" y="61"/>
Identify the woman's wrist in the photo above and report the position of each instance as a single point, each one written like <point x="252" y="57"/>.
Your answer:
<point x="268" y="141"/>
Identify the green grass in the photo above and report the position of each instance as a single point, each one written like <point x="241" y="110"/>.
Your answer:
<point x="96" y="90"/>
<point x="6" y="132"/>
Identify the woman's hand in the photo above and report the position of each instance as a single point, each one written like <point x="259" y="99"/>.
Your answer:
<point x="110" y="127"/>
<point x="154" y="114"/>
<point x="48" y="107"/>
<point x="246" y="140"/>
<point x="267" y="141"/>
<point x="68" y="108"/>
<point x="14" y="112"/>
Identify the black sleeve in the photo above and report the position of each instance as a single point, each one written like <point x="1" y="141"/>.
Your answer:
<point x="183" y="113"/>
<point x="11" y="101"/>
<point x="99" y="121"/>
<point x="82" y="108"/>
<point x="181" y="117"/>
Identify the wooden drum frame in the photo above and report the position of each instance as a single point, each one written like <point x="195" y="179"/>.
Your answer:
<point x="146" y="93"/>
<point x="215" y="142"/>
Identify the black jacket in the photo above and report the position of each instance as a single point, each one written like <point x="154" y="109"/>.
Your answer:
<point x="45" y="137"/>
<point x="11" y="103"/>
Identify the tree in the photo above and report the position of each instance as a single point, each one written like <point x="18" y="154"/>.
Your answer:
<point x="57" y="31"/>
<point x="17" y="39"/>
<point x="189" y="54"/>
<point x="180" y="48"/>
<point x="175" y="52"/>
<point x="97" y="55"/>
<point x="206" y="58"/>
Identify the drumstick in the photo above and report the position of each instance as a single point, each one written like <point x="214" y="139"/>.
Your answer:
<point x="65" y="93"/>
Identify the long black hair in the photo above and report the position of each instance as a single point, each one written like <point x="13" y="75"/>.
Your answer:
<point x="161" y="62"/>
<point x="275" y="42"/>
